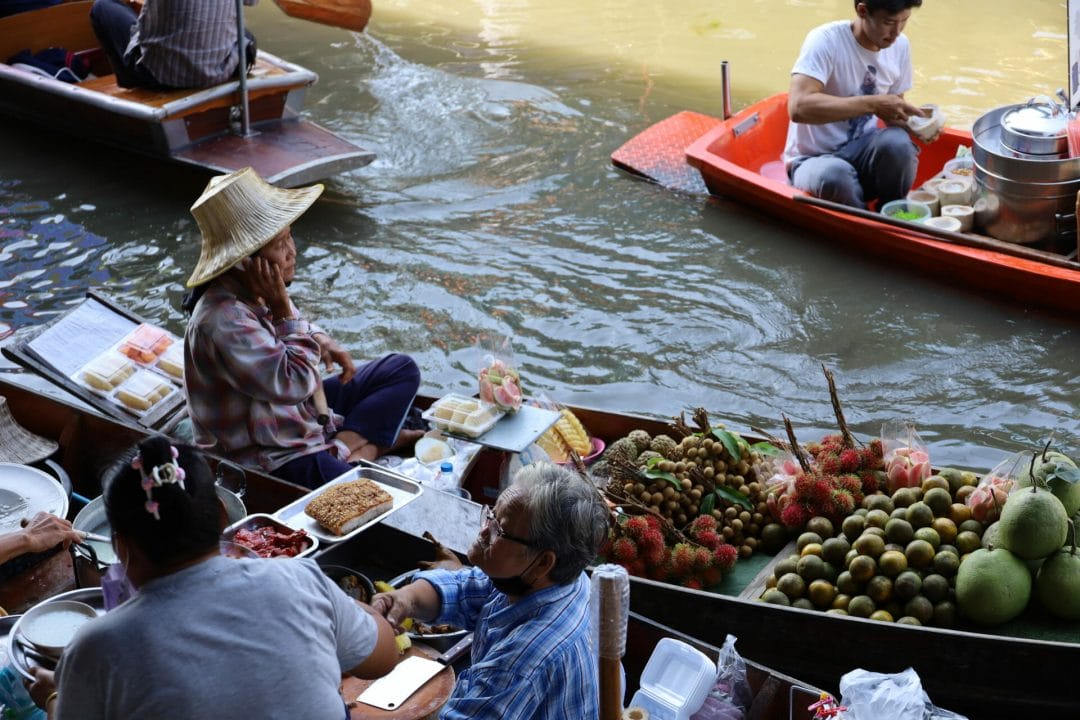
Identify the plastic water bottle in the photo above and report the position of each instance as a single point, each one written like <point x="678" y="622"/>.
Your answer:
<point x="444" y="479"/>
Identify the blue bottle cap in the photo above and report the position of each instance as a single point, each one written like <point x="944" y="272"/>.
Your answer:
<point x="446" y="467"/>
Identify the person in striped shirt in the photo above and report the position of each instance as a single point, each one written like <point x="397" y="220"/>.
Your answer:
<point x="526" y="599"/>
<point x="252" y="362"/>
<point x="170" y="43"/>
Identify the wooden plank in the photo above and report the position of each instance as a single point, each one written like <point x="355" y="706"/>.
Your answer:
<point x="66" y="25"/>
<point x="756" y="587"/>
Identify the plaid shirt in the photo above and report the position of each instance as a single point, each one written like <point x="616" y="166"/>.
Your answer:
<point x="530" y="659"/>
<point x="187" y="43"/>
<point x="249" y="381"/>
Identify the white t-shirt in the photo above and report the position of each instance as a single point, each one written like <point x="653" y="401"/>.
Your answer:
<point x="831" y="55"/>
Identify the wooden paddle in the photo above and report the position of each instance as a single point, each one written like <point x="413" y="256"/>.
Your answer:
<point x="982" y="242"/>
<point x="347" y="14"/>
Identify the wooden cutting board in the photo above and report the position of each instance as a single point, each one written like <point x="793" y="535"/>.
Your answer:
<point x="421" y="704"/>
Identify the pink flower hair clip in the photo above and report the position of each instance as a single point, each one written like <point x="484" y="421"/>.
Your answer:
<point x="169" y="473"/>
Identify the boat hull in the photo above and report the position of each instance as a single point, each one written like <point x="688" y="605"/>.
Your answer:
<point x="739" y="158"/>
<point x="193" y="127"/>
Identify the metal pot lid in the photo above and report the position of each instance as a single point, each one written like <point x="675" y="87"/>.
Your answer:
<point x="1037" y="119"/>
<point x="24" y="491"/>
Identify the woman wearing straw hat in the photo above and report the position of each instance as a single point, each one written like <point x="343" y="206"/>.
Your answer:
<point x="251" y="361"/>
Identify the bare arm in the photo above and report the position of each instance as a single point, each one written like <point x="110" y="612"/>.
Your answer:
<point x="385" y="655"/>
<point x="42" y="532"/>
<point x="809" y="103"/>
<point x="418" y="600"/>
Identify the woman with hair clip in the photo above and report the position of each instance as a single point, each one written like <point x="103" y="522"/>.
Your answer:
<point x="208" y="636"/>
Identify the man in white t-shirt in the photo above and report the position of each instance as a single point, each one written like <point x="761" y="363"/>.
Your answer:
<point x="849" y="74"/>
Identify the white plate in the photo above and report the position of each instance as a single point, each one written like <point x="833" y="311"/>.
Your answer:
<point x="24" y="491"/>
<point x="401" y="489"/>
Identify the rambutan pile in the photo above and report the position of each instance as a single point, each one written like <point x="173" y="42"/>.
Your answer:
<point x="638" y="544"/>
<point x="835" y="458"/>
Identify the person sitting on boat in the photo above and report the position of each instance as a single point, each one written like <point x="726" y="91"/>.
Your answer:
<point x="42" y="532"/>
<point x="526" y="601"/>
<point x="847" y="76"/>
<point x="170" y="43"/>
<point x="251" y="361"/>
<point x="207" y="636"/>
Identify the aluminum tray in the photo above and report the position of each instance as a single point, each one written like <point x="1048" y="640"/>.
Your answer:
<point x="259" y="520"/>
<point x="401" y="489"/>
<point x="16" y="652"/>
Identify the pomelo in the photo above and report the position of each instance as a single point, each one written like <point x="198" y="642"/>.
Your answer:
<point x="992" y="586"/>
<point x="1058" y="473"/>
<point x="1058" y="583"/>
<point x="1033" y="523"/>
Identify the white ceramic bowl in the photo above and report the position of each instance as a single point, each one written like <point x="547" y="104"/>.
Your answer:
<point x="50" y="626"/>
<point x="944" y="223"/>
<point x="926" y="197"/>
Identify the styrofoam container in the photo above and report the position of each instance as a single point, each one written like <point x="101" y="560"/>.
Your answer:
<point x="462" y="415"/>
<point x="675" y="681"/>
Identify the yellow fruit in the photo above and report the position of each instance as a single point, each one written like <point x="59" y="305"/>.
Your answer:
<point x="383" y="586"/>
<point x="403" y="642"/>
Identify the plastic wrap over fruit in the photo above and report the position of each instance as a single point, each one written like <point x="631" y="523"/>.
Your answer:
<point x="500" y="384"/>
<point x="993" y="489"/>
<point x="907" y="462"/>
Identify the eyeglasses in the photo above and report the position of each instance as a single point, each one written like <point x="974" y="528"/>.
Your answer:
<point x="488" y="520"/>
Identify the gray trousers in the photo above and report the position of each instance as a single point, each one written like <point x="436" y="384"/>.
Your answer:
<point x="880" y="164"/>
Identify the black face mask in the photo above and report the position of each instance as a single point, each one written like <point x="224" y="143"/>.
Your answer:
<point x="515" y="585"/>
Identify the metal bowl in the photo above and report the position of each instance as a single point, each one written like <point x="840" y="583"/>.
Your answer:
<point x="439" y="641"/>
<point x="355" y="584"/>
<point x="261" y="520"/>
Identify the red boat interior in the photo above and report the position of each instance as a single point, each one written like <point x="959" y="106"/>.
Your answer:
<point x="757" y="137"/>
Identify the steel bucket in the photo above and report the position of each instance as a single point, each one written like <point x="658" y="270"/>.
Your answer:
<point x="1027" y="198"/>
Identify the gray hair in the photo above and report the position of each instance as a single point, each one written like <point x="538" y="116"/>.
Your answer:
<point x="567" y="515"/>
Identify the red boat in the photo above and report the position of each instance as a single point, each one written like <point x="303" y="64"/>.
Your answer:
<point x="739" y="158"/>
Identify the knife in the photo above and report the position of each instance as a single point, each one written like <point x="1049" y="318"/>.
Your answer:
<point x="390" y="691"/>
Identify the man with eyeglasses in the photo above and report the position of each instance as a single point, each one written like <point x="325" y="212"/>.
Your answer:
<point x="849" y="74"/>
<point x="526" y="599"/>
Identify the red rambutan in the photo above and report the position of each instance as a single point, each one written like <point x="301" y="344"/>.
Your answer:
<point x="636" y="568"/>
<point x="702" y="558"/>
<point x="820" y="492"/>
<point x="682" y="559"/>
<point x="708" y="538"/>
<point x="829" y="464"/>
<point x="636" y="526"/>
<point x="871" y="481"/>
<point x="651" y="547"/>
<point x="703" y="522"/>
<point x="653" y="521"/>
<point x="794" y="515"/>
<point x="624" y="550"/>
<point x="711" y="576"/>
<point x="850" y="483"/>
<point x="849" y="460"/>
<point x="605" y="548"/>
<point x="692" y="582"/>
<point x="876" y="449"/>
<point x="843" y="503"/>
<point x="725" y="556"/>
<point x="659" y="572"/>
<point x="803" y="484"/>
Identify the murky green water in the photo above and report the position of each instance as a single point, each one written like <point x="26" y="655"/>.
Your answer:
<point x="493" y="208"/>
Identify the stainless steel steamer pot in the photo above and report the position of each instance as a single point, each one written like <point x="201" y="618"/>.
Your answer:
<point x="1028" y="197"/>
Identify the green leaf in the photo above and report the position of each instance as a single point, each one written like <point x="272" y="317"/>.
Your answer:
<point x="730" y="442"/>
<point x="707" y="504"/>
<point x="735" y="497"/>
<point x="766" y="448"/>
<point x="661" y="475"/>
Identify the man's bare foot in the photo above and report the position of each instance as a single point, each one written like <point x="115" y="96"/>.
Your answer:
<point x="405" y="438"/>
<point x="360" y="448"/>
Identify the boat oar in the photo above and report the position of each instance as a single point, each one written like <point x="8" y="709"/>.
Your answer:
<point x="347" y="14"/>
<point x="981" y="242"/>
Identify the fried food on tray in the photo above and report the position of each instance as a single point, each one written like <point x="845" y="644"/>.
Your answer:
<point x="346" y="506"/>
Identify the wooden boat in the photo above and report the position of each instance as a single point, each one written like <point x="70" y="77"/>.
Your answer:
<point x="739" y="158"/>
<point x="981" y="674"/>
<point x="195" y="127"/>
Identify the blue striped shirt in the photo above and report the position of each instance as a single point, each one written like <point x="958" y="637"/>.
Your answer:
<point x="530" y="659"/>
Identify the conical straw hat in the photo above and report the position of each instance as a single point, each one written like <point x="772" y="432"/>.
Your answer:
<point x="240" y="212"/>
<point x="19" y="445"/>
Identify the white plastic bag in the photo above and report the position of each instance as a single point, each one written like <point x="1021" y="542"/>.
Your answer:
<point x="879" y="696"/>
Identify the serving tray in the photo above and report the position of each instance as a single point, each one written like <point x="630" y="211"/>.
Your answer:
<point x="17" y="653"/>
<point x="401" y="489"/>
